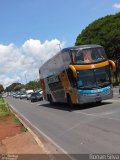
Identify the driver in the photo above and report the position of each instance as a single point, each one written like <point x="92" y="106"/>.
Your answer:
<point x="87" y="56"/>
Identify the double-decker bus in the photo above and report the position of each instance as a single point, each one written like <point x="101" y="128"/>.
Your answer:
<point x="77" y="75"/>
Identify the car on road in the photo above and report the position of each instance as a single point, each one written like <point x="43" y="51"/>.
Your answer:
<point x="17" y="95"/>
<point x="28" y="94"/>
<point x="36" y="96"/>
<point x="23" y="96"/>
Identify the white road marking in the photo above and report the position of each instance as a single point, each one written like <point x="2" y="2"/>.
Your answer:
<point x="87" y="114"/>
<point x="96" y="114"/>
<point x="69" y="129"/>
<point x="26" y="101"/>
<point x="105" y="113"/>
<point x="101" y="115"/>
<point x="116" y="119"/>
<point x="112" y="100"/>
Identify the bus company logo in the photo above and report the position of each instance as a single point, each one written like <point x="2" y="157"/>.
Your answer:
<point x="92" y="66"/>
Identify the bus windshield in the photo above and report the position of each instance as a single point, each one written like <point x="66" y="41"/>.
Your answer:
<point x="93" y="78"/>
<point x="88" y="56"/>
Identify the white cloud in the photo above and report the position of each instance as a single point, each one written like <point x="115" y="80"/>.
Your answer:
<point x="116" y="5"/>
<point x="6" y="80"/>
<point x="18" y="63"/>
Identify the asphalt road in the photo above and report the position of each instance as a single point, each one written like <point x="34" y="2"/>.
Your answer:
<point x="85" y="129"/>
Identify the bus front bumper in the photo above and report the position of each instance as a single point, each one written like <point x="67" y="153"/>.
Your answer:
<point x="95" y="97"/>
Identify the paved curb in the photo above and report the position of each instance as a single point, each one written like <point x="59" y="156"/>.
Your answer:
<point x="32" y="133"/>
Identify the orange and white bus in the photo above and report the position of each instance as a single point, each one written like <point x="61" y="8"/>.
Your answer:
<point x="77" y="75"/>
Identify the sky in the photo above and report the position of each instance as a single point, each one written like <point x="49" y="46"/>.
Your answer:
<point x="30" y="31"/>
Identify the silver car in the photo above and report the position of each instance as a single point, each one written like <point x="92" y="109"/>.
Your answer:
<point x="23" y="96"/>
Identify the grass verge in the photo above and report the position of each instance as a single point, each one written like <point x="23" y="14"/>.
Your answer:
<point x="5" y="111"/>
<point x="17" y="121"/>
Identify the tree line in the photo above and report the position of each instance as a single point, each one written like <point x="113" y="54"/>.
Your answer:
<point x="34" y="85"/>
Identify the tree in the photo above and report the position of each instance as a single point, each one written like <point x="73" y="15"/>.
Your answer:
<point x="1" y="88"/>
<point x="33" y="85"/>
<point x="18" y="87"/>
<point x="12" y="86"/>
<point x="104" y="31"/>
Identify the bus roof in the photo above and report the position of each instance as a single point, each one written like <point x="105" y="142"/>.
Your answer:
<point x="81" y="47"/>
<point x="72" y="48"/>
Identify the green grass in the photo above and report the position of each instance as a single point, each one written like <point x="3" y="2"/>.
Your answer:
<point x="23" y="129"/>
<point x="17" y="121"/>
<point x="2" y="101"/>
<point x="4" y="110"/>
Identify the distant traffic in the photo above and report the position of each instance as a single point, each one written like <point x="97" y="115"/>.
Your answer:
<point x="28" y="94"/>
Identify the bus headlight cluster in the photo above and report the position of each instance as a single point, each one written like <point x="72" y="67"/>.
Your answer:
<point x="108" y="91"/>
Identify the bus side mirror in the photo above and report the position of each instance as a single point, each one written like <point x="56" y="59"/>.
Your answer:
<point x="73" y="70"/>
<point x="72" y="57"/>
<point x="112" y="63"/>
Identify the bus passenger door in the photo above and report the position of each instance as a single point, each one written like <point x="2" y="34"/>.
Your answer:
<point x="68" y="82"/>
<point x="73" y="86"/>
<point x="56" y="88"/>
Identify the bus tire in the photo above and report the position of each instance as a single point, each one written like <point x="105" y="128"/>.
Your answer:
<point x="50" y="99"/>
<point x="99" y="102"/>
<point x="69" y="101"/>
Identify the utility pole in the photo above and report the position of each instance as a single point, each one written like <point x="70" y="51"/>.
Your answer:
<point x="59" y="46"/>
<point x="26" y="78"/>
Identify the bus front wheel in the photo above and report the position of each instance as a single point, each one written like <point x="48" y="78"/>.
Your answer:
<point x="50" y="99"/>
<point x="99" y="102"/>
<point x="69" y="101"/>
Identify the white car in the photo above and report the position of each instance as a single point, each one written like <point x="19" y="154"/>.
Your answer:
<point x="28" y="94"/>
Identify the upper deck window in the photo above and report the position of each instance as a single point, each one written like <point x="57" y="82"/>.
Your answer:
<point x="89" y="55"/>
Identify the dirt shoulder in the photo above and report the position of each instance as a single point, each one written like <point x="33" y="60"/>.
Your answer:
<point x="14" y="137"/>
<point x="14" y="140"/>
<point x="18" y="143"/>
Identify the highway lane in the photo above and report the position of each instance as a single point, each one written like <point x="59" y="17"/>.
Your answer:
<point x="85" y="129"/>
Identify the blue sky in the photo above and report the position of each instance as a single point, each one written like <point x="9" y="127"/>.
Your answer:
<point x="30" y="31"/>
<point x="48" y="19"/>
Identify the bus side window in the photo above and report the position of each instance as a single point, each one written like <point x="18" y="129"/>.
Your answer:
<point x="71" y="78"/>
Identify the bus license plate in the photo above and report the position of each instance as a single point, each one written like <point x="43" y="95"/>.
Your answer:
<point x="98" y="99"/>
